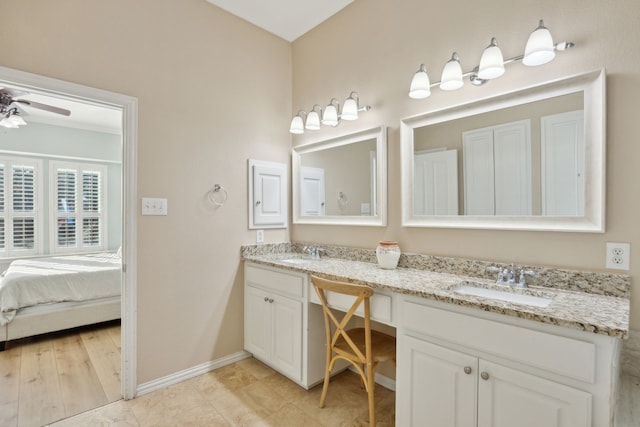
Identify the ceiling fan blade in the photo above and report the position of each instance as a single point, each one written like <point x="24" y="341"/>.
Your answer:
<point x="45" y="107"/>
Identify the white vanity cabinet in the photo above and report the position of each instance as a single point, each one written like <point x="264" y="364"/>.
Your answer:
<point x="277" y="326"/>
<point x="466" y="369"/>
<point x="464" y="390"/>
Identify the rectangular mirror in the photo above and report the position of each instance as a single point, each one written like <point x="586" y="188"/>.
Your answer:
<point x="341" y="180"/>
<point x="532" y="159"/>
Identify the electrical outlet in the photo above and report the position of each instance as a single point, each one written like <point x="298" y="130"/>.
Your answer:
<point x="259" y="236"/>
<point x="618" y="255"/>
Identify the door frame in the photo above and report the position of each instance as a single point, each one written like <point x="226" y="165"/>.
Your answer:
<point x="129" y="105"/>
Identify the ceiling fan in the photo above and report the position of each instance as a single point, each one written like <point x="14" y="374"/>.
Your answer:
<point x="11" y="108"/>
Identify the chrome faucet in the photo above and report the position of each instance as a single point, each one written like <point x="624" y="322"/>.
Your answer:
<point x="522" y="281"/>
<point x="313" y="251"/>
<point x="507" y="276"/>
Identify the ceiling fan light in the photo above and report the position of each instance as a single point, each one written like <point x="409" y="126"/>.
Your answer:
<point x="452" y="74"/>
<point x="491" y="62"/>
<point x="539" y="49"/>
<point x="5" y="122"/>
<point x="297" y="126"/>
<point x="420" y="86"/>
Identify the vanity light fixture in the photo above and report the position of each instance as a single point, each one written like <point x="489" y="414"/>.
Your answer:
<point x="329" y="116"/>
<point x="539" y="50"/>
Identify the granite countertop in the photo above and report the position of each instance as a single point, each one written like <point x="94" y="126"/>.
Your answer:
<point x="591" y="312"/>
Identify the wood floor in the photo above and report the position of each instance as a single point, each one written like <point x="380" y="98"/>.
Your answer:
<point x="46" y="378"/>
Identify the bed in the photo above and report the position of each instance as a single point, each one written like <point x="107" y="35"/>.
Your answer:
<point x="40" y="295"/>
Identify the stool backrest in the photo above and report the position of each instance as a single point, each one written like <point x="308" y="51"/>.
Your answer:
<point x="338" y="325"/>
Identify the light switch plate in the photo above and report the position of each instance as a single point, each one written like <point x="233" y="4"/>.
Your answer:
<point x="154" y="206"/>
<point x="259" y="236"/>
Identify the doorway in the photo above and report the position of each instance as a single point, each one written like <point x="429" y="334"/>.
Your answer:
<point x="61" y="92"/>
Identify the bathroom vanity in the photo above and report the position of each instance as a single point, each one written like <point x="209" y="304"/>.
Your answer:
<point x="463" y="360"/>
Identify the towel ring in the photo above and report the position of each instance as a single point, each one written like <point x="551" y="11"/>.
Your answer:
<point x="218" y="195"/>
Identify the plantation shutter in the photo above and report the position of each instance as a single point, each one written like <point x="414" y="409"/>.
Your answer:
<point x="91" y="197"/>
<point x="23" y="195"/>
<point x="66" y="202"/>
<point x="80" y="215"/>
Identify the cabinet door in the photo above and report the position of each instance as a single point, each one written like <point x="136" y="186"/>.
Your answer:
<point x="287" y="336"/>
<point x="435" y="180"/>
<point x="512" y="168"/>
<point x="312" y="197"/>
<point x="257" y="325"/>
<point x="509" y="398"/>
<point x="267" y="194"/>
<point x="477" y="153"/>
<point x="563" y="164"/>
<point x="433" y="388"/>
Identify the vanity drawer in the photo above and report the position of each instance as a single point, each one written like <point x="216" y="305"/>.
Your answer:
<point x="561" y="355"/>
<point x="282" y="282"/>
<point x="380" y="304"/>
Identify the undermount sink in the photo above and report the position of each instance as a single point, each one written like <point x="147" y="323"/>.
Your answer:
<point x="295" y="260"/>
<point x="515" y="296"/>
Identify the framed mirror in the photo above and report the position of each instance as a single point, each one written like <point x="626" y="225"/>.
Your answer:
<point x="341" y="180"/>
<point x="531" y="159"/>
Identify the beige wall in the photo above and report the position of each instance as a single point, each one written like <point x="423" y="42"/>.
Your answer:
<point x="213" y="91"/>
<point x="375" y="46"/>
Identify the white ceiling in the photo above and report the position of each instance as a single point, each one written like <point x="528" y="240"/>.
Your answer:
<point x="288" y="19"/>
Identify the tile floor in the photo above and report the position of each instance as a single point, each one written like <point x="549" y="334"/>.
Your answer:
<point x="248" y="393"/>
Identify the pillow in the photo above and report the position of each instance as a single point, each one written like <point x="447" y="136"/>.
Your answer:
<point x="119" y="253"/>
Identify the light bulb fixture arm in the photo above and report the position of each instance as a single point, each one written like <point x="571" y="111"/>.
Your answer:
<point x="331" y="115"/>
<point x="473" y="74"/>
<point x="539" y="50"/>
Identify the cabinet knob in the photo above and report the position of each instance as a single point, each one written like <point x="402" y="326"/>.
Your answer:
<point x="266" y="299"/>
<point x="270" y="300"/>
<point x="258" y="203"/>
<point x="467" y="370"/>
<point x="484" y="375"/>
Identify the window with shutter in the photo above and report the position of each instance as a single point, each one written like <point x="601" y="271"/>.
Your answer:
<point x="80" y="223"/>
<point x="91" y="201"/>
<point x="19" y="201"/>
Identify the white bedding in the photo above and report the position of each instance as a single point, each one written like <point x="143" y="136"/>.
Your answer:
<point x="28" y="282"/>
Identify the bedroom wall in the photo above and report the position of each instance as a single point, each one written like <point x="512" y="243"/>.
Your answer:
<point x="375" y="46"/>
<point x="213" y="91"/>
<point x="44" y="141"/>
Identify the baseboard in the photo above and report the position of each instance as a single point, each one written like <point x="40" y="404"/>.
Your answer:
<point x="186" y="374"/>
<point x="383" y="380"/>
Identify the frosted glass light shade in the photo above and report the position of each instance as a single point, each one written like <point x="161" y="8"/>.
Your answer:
<point x="349" y="109"/>
<point x="18" y="120"/>
<point x="420" y="86"/>
<point x="297" y="126"/>
<point x="313" y="121"/>
<point x="492" y="62"/>
<point x="330" y="115"/>
<point x="6" y="122"/>
<point x="452" y="74"/>
<point x="539" y="49"/>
